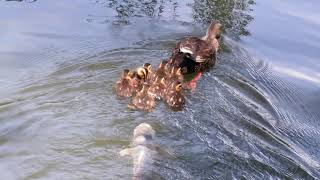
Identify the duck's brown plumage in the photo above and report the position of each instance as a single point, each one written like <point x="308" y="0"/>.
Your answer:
<point x="195" y="54"/>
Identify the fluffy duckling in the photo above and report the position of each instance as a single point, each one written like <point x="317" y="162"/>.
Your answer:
<point x="158" y="88"/>
<point x="174" y="96"/>
<point x="124" y="87"/>
<point x="195" y="54"/>
<point x="175" y="75"/>
<point x="161" y="71"/>
<point x="137" y="79"/>
<point x="143" y="99"/>
<point x="148" y="72"/>
<point x="140" y="76"/>
<point x="168" y="67"/>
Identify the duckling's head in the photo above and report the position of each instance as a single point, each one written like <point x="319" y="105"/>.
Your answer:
<point x="162" y="64"/>
<point x="148" y="67"/>
<point x="125" y="73"/>
<point x="173" y="70"/>
<point x="167" y="67"/>
<point x="213" y="31"/>
<point x="178" y="87"/>
<point x="178" y="72"/>
<point x="162" y="81"/>
<point x="142" y="73"/>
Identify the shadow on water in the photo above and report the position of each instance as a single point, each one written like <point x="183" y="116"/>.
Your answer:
<point x="243" y="122"/>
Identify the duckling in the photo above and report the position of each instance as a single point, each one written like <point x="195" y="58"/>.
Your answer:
<point x="158" y="87"/>
<point x="174" y="96"/>
<point x="167" y="68"/>
<point x="175" y="75"/>
<point x="137" y="79"/>
<point x="195" y="54"/>
<point x="124" y="87"/>
<point x="148" y="72"/>
<point x="143" y="100"/>
<point x="161" y="71"/>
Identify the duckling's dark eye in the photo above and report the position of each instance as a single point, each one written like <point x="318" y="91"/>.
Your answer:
<point x="218" y="36"/>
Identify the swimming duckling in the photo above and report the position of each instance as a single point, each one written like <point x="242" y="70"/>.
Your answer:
<point x="168" y="67"/>
<point x="195" y="54"/>
<point x="124" y="87"/>
<point x="143" y="100"/>
<point x="161" y="71"/>
<point x="158" y="88"/>
<point x="136" y="80"/>
<point x="148" y="72"/>
<point x="175" y="75"/>
<point x="174" y="96"/>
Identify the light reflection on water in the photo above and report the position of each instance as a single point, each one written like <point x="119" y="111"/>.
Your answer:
<point x="249" y="117"/>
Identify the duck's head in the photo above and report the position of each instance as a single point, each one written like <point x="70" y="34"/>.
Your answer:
<point x="125" y="73"/>
<point x="176" y="86"/>
<point x="163" y="64"/>
<point x="213" y="31"/>
<point x="142" y="73"/>
<point x="147" y="67"/>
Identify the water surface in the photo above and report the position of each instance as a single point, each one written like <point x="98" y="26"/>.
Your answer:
<point x="253" y="116"/>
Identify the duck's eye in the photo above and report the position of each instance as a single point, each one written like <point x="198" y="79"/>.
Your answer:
<point x="218" y="36"/>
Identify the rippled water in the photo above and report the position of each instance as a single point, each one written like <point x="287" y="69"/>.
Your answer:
<point x="254" y="116"/>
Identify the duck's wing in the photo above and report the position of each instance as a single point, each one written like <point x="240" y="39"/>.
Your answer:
<point x="190" y="45"/>
<point x="197" y="49"/>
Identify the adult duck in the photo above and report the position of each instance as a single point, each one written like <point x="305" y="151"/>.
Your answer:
<point x="193" y="54"/>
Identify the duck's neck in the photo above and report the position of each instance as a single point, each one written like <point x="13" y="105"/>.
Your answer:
<point x="211" y="33"/>
<point x="209" y="37"/>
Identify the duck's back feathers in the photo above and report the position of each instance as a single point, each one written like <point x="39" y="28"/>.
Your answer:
<point x="198" y="49"/>
<point x="193" y="54"/>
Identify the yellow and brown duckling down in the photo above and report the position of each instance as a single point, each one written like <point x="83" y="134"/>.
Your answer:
<point x="161" y="71"/>
<point x="143" y="100"/>
<point x="146" y="85"/>
<point x="158" y="88"/>
<point x="125" y="87"/>
<point x="190" y="55"/>
<point x="174" y="96"/>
